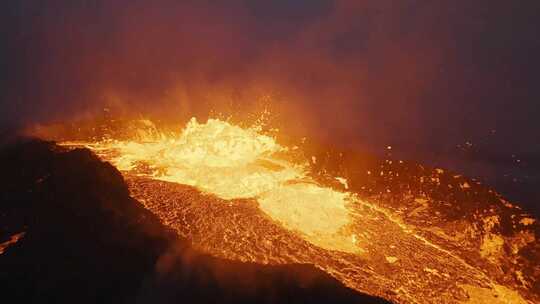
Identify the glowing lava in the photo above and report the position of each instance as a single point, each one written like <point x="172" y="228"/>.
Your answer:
<point x="231" y="163"/>
<point x="12" y="240"/>
<point x="236" y="193"/>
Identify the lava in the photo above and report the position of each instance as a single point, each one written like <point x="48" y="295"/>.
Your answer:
<point x="12" y="240"/>
<point x="231" y="163"/>
<point x="237" y="193"/>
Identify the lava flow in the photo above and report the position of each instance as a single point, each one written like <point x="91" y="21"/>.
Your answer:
<point x="236" y="193"/>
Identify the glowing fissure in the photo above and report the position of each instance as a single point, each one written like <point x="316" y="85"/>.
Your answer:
<point x="233" y="162"/>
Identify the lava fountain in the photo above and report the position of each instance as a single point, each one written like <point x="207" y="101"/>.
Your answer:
<point x="235" y="192"/>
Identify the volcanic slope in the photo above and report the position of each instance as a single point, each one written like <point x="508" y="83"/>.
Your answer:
<point x="70" y="232"/>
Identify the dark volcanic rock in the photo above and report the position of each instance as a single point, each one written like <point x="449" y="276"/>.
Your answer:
<point x="82" y="238"/>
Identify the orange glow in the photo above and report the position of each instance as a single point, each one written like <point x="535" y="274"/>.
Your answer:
<point x="200" y="181"/>
<point x="12" y="240"/>
<point x="233" y="163"/>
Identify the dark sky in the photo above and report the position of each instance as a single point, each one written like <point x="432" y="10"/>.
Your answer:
<point x="423" y="76"/>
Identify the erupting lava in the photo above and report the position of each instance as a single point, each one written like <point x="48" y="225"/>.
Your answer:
<point x="233" y="163"/>
<point x="236" y="193"/>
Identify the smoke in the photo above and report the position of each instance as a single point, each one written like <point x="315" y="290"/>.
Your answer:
<point x="419" y="75"/>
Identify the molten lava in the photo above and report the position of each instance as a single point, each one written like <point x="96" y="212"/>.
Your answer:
<point x="233" y="163"/>
<point x="236" y="193"/>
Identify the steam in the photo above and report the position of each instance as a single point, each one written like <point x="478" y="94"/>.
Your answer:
<point x="417" y="75"/>
<point x="339" y="62"/>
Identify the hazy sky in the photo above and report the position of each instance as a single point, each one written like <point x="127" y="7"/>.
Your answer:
<point x="420" y="75"/>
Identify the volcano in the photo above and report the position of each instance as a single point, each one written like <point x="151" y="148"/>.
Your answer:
<point x="71" y="232"/>
<point x="384" y="227"/>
